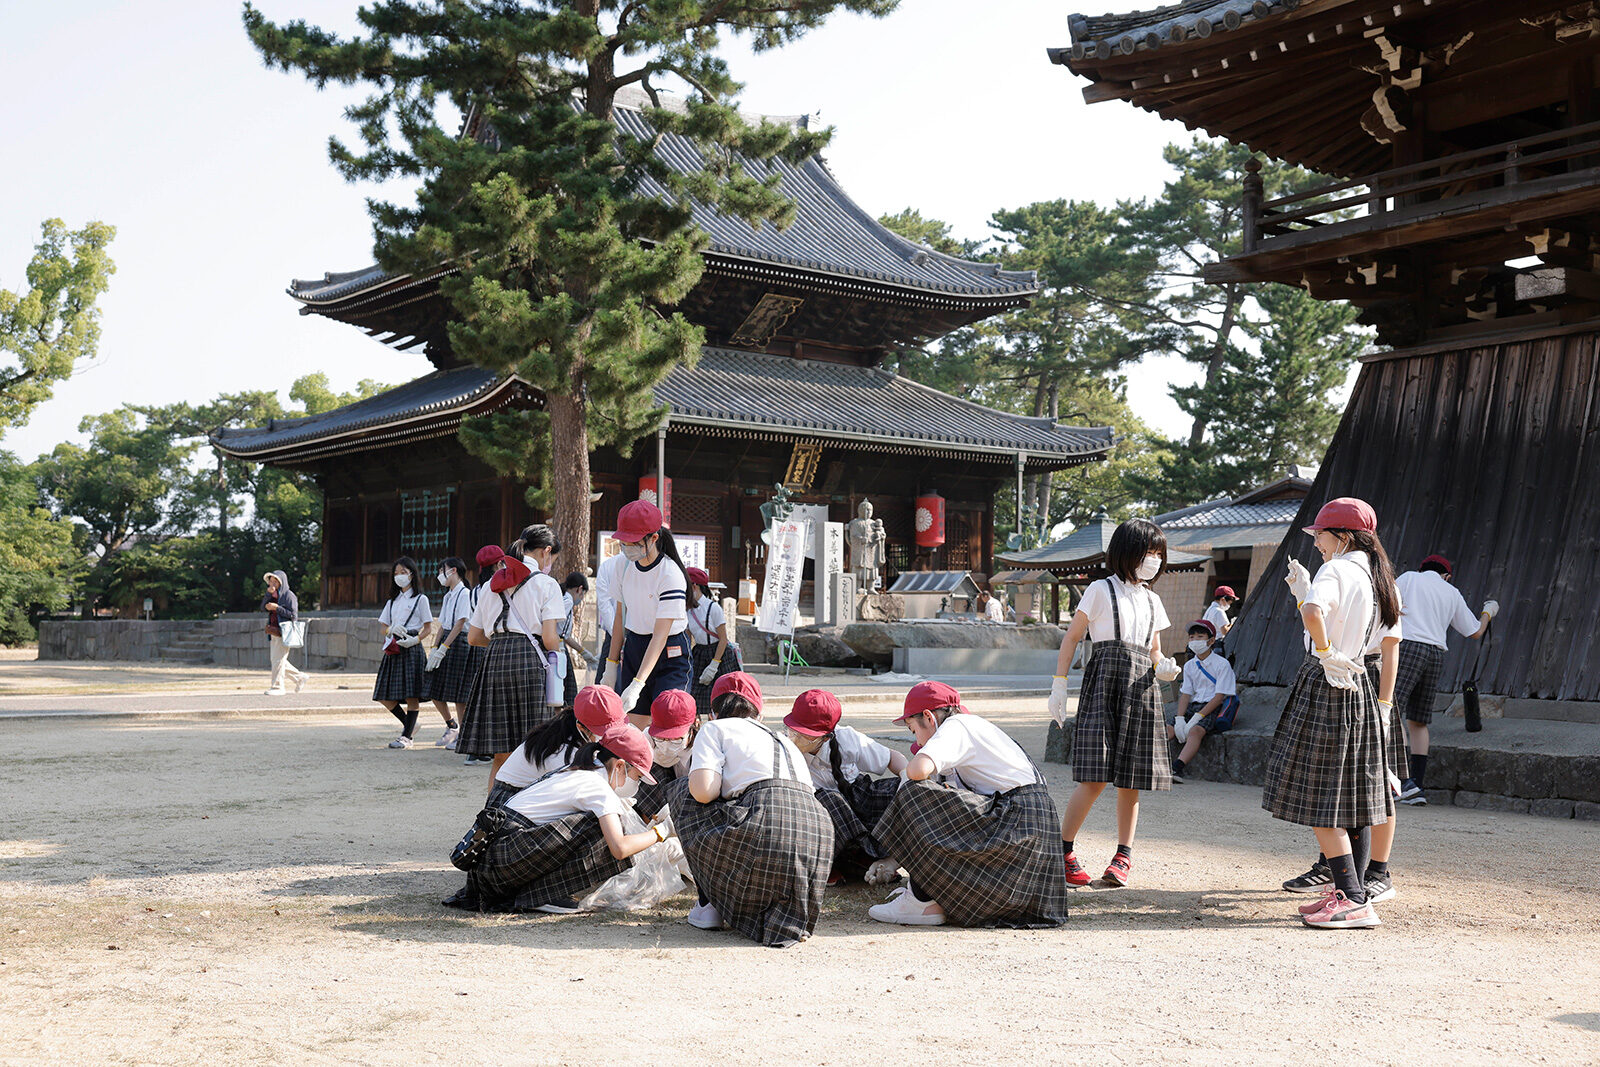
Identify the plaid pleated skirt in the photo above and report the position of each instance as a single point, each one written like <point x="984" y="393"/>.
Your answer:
<point x="761" y="857"/>
<point x="506" y="699"/>
<point x="400" y="676"/>
<point x="700" y="659"/>
<point x="1120" y="736"/>
<point x="528" y="864"/>
<point x="1396" y="747"/>
<point x="650" y="799"/>
<point x="1416" y="683"/>
<point x="988" y="860"/>
<point x="855" y="810"/>
<point x="1326" y="766"/>
<point x="451" y="681"/>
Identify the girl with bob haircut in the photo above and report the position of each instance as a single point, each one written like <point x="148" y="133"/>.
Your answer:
<point x="407" y="620"/>
<point x="518" y="625"/>
<point x="559" y="837"/>
<point x="650" y="646"/>
<point x="1120" y="738"/>
<point x="1328" y="767"/>
<point x="756" y="839"/>
<point x="974" y="825"/>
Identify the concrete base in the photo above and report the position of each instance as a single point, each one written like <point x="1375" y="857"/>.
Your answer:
<point x="940" y="661"/>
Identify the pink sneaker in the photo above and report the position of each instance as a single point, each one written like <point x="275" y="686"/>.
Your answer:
<point x="1318" y="904"/>
<point x="1119" y="870"/>
<point x="1339" y="914"/>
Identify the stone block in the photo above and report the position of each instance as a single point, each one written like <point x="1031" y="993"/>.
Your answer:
<point x="1585" y="810"/>
<point x="335" y="645"/>
<point x="1486" y="771"/>
<point x="1535" y="774"/>
<point x="1551" y="808"/>
<point x="1444" y="766"/>
<point x="825" y="648"/>
<point x="1500" y="802"/>
<point x="1579" y="779"/>
<point x="1441" y="797"/>
<point x="880" y="607"/>
<point x="1245" y="761"/>
<point x="1466" y="798"/>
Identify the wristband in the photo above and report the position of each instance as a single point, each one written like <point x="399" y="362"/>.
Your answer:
<point x="716" y="663"/>
<point x="1386" y="703"/>
<point x="660" y="834"/>
<point x="1325" y="647"/>
<point x="618" y="661"/>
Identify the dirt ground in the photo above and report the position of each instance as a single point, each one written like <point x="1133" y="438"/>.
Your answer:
<point x="266" y="890"/>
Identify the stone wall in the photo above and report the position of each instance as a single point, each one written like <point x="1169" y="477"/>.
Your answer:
<point x="113" y="639"/>
<point x="334" y="641"/>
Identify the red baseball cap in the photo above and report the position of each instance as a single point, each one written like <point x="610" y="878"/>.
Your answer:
<point x="816" y="712"/>
<point x="638" y="520"/>
<point x="1441" y="561"/>
<point x="489" y="555"/>
<point x="1225" y="591"/>
<point x="930" y="696"/>
<point x="671" y="714"/>
<point x="697" y="576"/>
<point x="738" y="682"/>
<point x="598" y="706"/>
<point x="628" y="741"/>
<point x="1345" y="513"/>
<point x="1203" y="624"/>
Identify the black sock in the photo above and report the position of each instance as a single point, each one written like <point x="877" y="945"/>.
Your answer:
<point x="1322" y="859"/>
<point x="1376" y="869"/>
<point x="1360" y="847"/>
<point x="452" y="725"/>
<point x="1419" y="768"/>
<point x="409" y="721"/>
<point x="1346" y="881"/>
<point x="1125" y="850"/>
<point x="1066" y="848"/>
<point x="704" y="900"/>
<point x="926" y="898"/>
<point x="397" y="713"/>
<point x="1178" y="765"/>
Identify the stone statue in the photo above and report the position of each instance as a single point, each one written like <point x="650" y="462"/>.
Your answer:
<point x="866" y="538"/>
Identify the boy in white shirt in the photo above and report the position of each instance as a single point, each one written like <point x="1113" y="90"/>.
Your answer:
<point x="1209" y="683"/>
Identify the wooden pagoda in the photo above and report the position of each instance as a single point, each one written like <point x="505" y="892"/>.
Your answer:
<point x="790" y="389"/>
<point x="1461" y="213"/>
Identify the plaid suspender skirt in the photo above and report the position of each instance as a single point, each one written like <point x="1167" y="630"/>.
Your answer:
<point x="1120" y="736"/>
<point x="1396" y="748"/>
<point x="507" y="698"/>
<point x="528" y="864"/>
<point x="451" y="681"/>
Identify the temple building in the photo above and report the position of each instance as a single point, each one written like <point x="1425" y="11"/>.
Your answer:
<point x="790" y="388"/>
<point x="1461" y="147"/>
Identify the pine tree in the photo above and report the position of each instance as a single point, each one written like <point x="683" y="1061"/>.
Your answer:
<point x="564" y="273"/>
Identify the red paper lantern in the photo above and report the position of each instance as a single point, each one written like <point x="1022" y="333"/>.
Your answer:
<point x="928" y="518"/>
<point x="647" y="491"/>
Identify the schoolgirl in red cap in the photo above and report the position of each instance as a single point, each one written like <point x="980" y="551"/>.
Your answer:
<point x="1326" y="769"/>
<point x="974" y="825"/>
<point x="714" y="653"/>
<point x="845" y="765"/>
<point x="555" y="743"/>
<point x="1120" y="735"/>
<point x="757" y="841"/>
<point x="559" y="837"/>
<point x="518" y="621"/>
<point x="650" y="645"/>
<point x="673" y="724"/>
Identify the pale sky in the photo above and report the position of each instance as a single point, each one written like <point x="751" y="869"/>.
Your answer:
<point x="161" y="120"/>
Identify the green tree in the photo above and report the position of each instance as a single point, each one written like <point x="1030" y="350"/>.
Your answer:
<point x="564" y="272"/>
<point x="38" y="561"/>
<point x="46" y="329"/>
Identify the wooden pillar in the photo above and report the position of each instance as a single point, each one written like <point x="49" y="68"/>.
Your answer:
<point x="322" y="593"/>
<point x="1250" y="213"/>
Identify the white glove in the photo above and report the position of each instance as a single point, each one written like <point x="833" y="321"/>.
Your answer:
<point x="396" y="630"/>
<point x="1058" y="700"/>
<point x="591" y="661"/>
<point x="1491" y="608"/>
<point x="631" y="695"/>
<point x="1167" y="669"/>
<point x="435" y="658"/>
<point x="709" y="675"/>
<point x="1385" y="714"/>
<point x="1299" y="580"/>
<point x="408" y="641"/>
<point x="1180" y="729"/>
<point x="1339" y="669"/>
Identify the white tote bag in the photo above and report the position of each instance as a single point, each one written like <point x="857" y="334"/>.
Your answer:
<point x="293" y="634"/>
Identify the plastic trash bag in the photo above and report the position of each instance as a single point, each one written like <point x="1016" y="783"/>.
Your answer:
<point x="653" y="877"/>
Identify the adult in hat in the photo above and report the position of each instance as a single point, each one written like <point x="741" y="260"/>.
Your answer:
<point x="982" y="853"/>
<point x="649" y="644"/>
<point x="280" y="606"/>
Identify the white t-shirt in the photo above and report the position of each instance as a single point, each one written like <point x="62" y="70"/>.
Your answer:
<point x="979" y="754"/>
<point x="607" y="589"/>
<point x="1136" y="605"/>
<point x="522" y="772"/>
<point x="704" y="618"/>
<point x="652" y="593"/>
<point x="858" y="755"/>
<point x="538" y="601"/>
<point x="457" y="606"/>
<point x="994" y="611"/>
<point x="741" y="750"/>
<point x="1200" y="688"/>
<point x="1216" y="617"/>
<point x="1343" y="590"/>
<point x="1433" y="606"/>
<point x="571" y="793"/>
<point x="410" y="610"/>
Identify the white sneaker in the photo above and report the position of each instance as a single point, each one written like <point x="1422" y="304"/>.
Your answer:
<point x="273" y="693"/>
<point x="1180" y="729"/>
<point x="882" y="872"/>
<point x="705" y="917"/>
<point x="904" y="908"/>
<point x="400" y="742"/>
<point x="447" y="739"/>
<point x="299" y="682"/>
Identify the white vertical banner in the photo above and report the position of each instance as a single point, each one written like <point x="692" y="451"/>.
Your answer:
<point x="830" y="564"/>
<point x="786" y="561"/>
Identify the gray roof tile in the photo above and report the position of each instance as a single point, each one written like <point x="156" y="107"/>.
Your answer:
<point x="1103" y="36"/>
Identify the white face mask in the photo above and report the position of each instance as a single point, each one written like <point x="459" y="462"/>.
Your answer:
<point x="403" y="581"/>
<point x="668" y="753"/>
<point x="444" y="579"/>
<point x="1198" y="646"/>
<point x="634" y="553"/>
<point x="1149" y="567"/>
<point x="628" y="788"/>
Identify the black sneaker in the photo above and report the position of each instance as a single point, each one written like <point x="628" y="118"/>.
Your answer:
<point x="1177" y="772"/>
<point x="1316" y="880"/>
<point x="564" y="906"/>
<point x="1380" y="887"/>
<point x="462" y="898"/>
<point x="1411" y="793"/>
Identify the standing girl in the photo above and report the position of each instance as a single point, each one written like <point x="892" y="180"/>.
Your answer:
<point x="650" y="646"/>
<point x="842" y="763"/>
<point x="518" y="626"/>
<point x="708" y="629"/>
<point x="1326" y="769"/>
<point x="407" y="619"/>
<point x="755" y="837"/>
<point x="1120" y="737"/>
<point x="454" y="661"/>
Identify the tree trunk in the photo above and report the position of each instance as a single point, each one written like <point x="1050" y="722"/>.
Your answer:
<point x="1219" y="349"/>
<point x="569" y="482"/>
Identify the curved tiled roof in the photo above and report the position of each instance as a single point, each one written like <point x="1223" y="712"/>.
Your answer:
<point x="1103" y="36"/>
<point x="1227" y="513"/>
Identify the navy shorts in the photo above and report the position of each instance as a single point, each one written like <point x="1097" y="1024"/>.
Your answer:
<point x="672" y="671"/>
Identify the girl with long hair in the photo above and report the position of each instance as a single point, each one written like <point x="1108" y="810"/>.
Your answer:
<point x="454" y="661"/>
<point x="650" y="646"/>
<point x="407" y="619"/>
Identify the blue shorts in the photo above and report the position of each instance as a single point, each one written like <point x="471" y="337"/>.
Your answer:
<point x="672" y="671"/>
